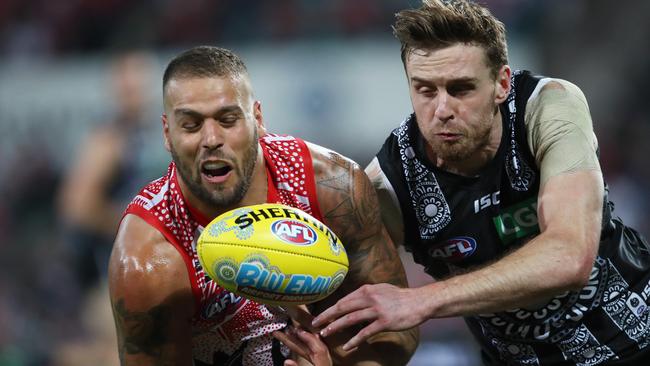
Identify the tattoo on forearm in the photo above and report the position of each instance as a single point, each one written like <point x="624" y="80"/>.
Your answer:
<point x="141" y="332"/>
<point x="351" y="194"/>
<point x="354" y="213"/>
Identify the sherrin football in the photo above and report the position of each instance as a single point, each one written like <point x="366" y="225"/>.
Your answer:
<point x="273" y="254"/>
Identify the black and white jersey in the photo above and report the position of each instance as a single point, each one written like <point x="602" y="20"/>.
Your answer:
<point x="454" y="223"/>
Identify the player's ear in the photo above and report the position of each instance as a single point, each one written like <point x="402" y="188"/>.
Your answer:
<point x="502" y="84"/>
<point x="165" y="125"/>
<point x="259" y="119"/>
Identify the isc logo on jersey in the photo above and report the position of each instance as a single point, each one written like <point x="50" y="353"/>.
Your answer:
<point x="454" y="249"/>
<point x="294" y="232"/>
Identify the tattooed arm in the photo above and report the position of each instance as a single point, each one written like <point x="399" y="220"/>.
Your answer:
<point x="350" y="208"/>
<point x="151" y="297"/>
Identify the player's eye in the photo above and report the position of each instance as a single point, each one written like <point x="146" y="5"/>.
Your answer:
<point x="461" y="89"/>
<point x="230" y="119"/>
<point x="425" y="91"/>
<point x="190" y="124"/>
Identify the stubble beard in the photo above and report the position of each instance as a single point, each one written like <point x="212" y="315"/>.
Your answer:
<point x="464" y="149"/>
<point x="473" y="141"/>
<point x="220" y="197"/>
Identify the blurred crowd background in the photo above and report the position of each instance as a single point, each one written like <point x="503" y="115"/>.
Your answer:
<point x="80" y="129"/>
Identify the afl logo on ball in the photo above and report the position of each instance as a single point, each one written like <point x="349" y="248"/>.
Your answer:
<point x="294" y="232"/>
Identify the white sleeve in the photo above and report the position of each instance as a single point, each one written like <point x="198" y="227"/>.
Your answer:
<point x="391" y="212"/>
<point x="560" y="131"/>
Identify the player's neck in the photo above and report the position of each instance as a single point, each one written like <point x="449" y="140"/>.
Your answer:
<point x="472" y="165"/>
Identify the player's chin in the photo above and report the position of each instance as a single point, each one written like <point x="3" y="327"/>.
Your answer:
<point x="223" y="196"/>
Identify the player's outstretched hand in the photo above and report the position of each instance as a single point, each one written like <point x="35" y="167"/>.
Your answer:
<point x="383" y="307"/>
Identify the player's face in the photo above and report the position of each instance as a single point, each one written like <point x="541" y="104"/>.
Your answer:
<point x="211" y="129"/>
<point x="455" y="98"/>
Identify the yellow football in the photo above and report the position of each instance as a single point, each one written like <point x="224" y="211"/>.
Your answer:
<point x="273" y="254"/>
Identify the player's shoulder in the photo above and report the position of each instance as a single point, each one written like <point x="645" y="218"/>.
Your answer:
<point x="340" y="181"/>
<point x="553" y="100"/>
<point x="144" y="265"/>
<point x="137" y="237"/>
<point x="326" y="161"/>
<point x="549" y="90"/>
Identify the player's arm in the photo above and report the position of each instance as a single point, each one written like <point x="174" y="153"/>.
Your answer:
<point x="391" y="212"/>
<point x="150" y="296"/>
<point x="350" y="208"/>
<point x="84" y="199"/>
<point x="559" y="259"/>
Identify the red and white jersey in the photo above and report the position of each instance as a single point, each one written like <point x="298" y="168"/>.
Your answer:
<point x="226" y="328"/>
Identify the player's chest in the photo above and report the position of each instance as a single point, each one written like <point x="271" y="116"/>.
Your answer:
<point x="485" y="220"/>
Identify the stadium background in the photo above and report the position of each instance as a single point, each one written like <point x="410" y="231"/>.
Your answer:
<point x="328" y="71"/>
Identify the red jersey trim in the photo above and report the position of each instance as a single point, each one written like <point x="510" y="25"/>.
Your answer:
<point x="272" y="195"/>
<point x="310" y="181"/>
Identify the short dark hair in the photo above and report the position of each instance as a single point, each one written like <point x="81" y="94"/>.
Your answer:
<point x="204" y="61"/>
<point x="442" y="23"/>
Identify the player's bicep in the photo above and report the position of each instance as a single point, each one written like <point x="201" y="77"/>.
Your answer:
<point x="350" y="208"/>
<point x="145" y="336"/>
<point x="371" y="252"/>
<point x="570" y="211"/>
<point x="150" y="297"/>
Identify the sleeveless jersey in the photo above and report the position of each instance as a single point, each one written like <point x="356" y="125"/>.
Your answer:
<point x="453" y="223"/>
<point x="228" y="329"/>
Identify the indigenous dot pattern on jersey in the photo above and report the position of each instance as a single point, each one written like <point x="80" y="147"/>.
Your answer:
<point x="226" y="324"/>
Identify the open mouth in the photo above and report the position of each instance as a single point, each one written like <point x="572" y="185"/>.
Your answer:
<point x="215" y="169"/>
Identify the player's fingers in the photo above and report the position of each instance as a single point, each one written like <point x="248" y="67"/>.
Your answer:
<point x="356" y="317"/>
<point x="290" y="363"/>
<point x="365" y="333"/>
<point x="294" y="344"/>
<point x="301" y="315"/>
<point x="312" y="341"/>
<point x="349" y="303"/>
